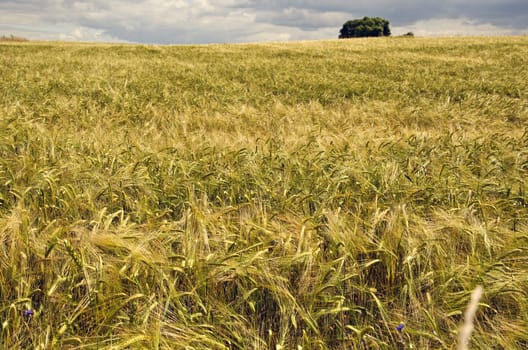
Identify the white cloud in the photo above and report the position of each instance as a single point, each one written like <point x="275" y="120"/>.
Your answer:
<point x="213" y="21"/>
<point x="454" y="27"/>
<point x="88" y="35"/>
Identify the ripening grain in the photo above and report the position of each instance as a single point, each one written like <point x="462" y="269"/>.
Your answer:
<point x="319" y="195"/>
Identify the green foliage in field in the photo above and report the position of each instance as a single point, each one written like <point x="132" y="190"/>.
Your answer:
<point x="365" y="27"/>
<point x="12" y="38"/>
<point x="276" y="196"/>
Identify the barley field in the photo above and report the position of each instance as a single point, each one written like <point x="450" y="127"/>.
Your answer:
<point x="344" y="194"/>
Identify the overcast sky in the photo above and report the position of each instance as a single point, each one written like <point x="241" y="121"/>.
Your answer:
<point x="222" y="21"/>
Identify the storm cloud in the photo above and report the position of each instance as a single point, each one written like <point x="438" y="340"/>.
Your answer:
<point x="217" y="21"/>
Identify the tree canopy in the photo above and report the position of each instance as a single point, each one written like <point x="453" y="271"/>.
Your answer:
<point x="368" y="26"/>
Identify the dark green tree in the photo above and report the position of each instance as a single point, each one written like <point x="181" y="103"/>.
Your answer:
<point x="368" y="26"/>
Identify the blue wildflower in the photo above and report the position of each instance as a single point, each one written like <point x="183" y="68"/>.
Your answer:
<point x="29" y="313"/>
<point x="400" y="327"/>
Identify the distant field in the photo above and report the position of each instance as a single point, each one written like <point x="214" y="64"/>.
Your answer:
<point x="314" y="195"/>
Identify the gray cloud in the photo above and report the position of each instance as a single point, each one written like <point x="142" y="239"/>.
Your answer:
<point x="306" y="19"/>
<point x="204" y="21"/>
<point x="513" y="13"/>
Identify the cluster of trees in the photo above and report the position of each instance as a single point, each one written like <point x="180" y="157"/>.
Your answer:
<point x="12" y="38"/>
<point x="368" y="26"/>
